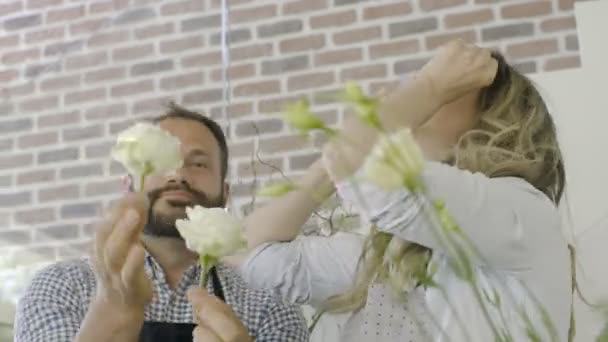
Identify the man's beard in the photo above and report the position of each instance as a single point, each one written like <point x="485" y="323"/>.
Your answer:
<point x="161" y="225"/>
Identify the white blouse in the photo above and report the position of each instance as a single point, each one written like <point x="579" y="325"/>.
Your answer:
<point x="514" y="226"/>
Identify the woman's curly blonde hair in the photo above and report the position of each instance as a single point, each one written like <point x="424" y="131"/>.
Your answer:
<point x="514" y="137"/>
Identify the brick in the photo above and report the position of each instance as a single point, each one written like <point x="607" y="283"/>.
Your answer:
<point x="15" y="199"/>
<point x="82" y="133"/>
<point x="88" y="60"/>
<point x="572" y="43"/>
<point x="302" y="162"/>
<point x="558" y="24"/>
<point x="102" y="6"/>
<point x="117" y="169"/>
<point x="38" y="4"/>
<point x="252" y="51"/>
<point x="56" y="232"/>
<point x="6" y="181"/>
<point x="303" y="6"/>
<point x="410" y="65"/>
<point x="471" y="18"/>
<point x="267" y="167"/>
<point x="533" y="48"/>
<point x="436" y="41"/>
<point x="180" y="45"/>
<point x="133" y="88"/>
<point x="15" y="125"/>
<point x="240" y="149"/>
<point x="58" y="155"/>
<point x="89" y="95"/>
<point x="274" y="105"/>
<point x="567" y="62"/>
<point x="134" y="15"/>
<point x="258" y="127"/>
<point x="65" y="14"/>
<point x="58" y="193"/>
<point x="6" y="144"/>
<point x="154" y="31"/>
<point x="15" y="237"/>
<point x="235" y="72"/>
<point x="87" y="27"/>
<point x="433" y="5"/>
<point x="50" y="33"/>
<point x="277" y="66"/>
<point x="201" y="23"/>
<point x="27" y="88"/>
<point x="155" y="105"/>
<point x="133" y="52"/>
<point x="204" y="59"/>
<point x="36" y="70"/>
<point x="36" y="176"/>
<point x="412" y="27"/>
<point x="239" y="16"/>
<point x="525" y="67"/>
<point x="8" y="75"/>
<point x="11" y="7"/>
<point x="347" y="2"/>
<point x="81" y="171"/>
<point x="100" y="40"/>
<point x="80" y="210"/>
<point x="566" y="4"/>
<point x="342" y="18"/>
<point x="22" y="22"/>
<point x="7" y="108"/>
<point x="107" y="74"/>
<point x="60" y="82"/>
<point x="7" y="41"/>
<point x="394" y="48"/>
<point x="326" y="96"/>
<point x="38" y="139"/>
<point x="39" y="104"/>
<point x="283" y="144"/>
<point x="306" y="43"/>
<point x="203" y="96"/>
<point x="106" y="111"/>
<point x="34" y="216"/>
<point x="58" y="119"/>
<point x="15" y="161"/>
<point x="235" y="110"/>
<point x="106" y="187"/>
<point x="357" y="35"/>
<point x="257" y="88"/>
<point x="21" y="56"/>
<point x="400" y="8"/>
<point x="63" y="48"/>
<point x="98" y="150"/>
<point x="279" y="28"/>
<point x="151" y="67"/>
<point x="182" y="7"/>
<point x="117" y="127"/>
<point x="74" y="250"/>
<point x="507" y="31"/>
<point x="234" y="37"/>
<point x="310" y="81"/>
<point x="364" y="72"/>
<point x="338" y="56"/>
<point x="525" y="10"/>
<point x="233" y="3"/>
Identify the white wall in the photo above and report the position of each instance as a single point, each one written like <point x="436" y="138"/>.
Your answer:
<point x="579" y="99"/>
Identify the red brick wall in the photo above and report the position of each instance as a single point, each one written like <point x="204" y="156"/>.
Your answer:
<point x="75" y="72"/>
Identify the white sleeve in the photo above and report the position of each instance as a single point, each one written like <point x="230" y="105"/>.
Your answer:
<point x="504" y="218"/>
<point x="307" y="270"/>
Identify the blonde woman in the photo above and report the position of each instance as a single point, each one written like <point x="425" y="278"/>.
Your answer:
<point x="494" y="159"/>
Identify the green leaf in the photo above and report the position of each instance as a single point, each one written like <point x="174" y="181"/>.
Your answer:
<point x="276" y="189"/>
<point x="298" y="116"/>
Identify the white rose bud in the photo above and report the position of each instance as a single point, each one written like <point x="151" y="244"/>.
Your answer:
<point x="395" y="161"/>
<point x="212" y="233"/>
<point x="145" y="148"/>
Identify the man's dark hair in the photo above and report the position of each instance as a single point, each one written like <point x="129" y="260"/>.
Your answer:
<point x="175" y="111"/>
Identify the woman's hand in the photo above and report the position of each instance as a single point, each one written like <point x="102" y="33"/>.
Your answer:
<point x="216" y="320"/>
<point x="458" y="69"/>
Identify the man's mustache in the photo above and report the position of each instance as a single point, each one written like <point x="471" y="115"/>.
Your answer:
<point x="197" y="196"/>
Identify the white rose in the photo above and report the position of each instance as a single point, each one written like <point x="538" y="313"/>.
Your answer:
<point x="211" y="232"/>
<point x="145" y="148"/>
<point x="395" y="161"/>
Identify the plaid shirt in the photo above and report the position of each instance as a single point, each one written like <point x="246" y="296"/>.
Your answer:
<point x="57" y="300"/>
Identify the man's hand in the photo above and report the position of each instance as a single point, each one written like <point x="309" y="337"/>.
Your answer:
<point x="119" y="256"/>
<point x="216" y="320"/>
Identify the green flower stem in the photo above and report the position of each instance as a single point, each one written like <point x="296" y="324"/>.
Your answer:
<point x="148" y="169"/>
<point x="206" y="263"/>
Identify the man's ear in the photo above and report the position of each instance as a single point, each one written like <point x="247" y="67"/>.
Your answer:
<point x="226" y="196"/>
<point x="129" y="183"/>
